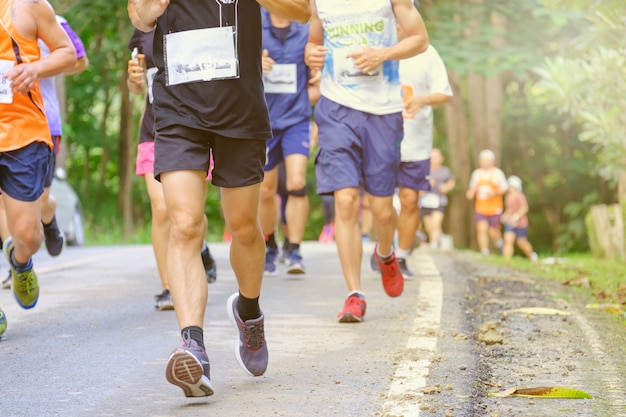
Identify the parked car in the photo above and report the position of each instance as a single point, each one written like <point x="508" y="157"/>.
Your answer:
<point x="69" y="211"/>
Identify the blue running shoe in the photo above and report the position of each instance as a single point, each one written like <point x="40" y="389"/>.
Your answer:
<point x="251" y="348"/>
<point x="3" y="322"/>
<point x="294" y="263"/>
<point x="188" y="368"/>
<point x="271" y="256"/>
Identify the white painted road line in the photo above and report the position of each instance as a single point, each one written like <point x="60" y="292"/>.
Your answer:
<point x="412" y="370"/>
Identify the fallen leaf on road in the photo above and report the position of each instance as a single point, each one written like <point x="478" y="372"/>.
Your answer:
<point x="489" y="334"/>
<point x="609" y="308"/>
<point x="538" y="311"/>
<point x="542" y="392"/>
<point x="578" y="282"/>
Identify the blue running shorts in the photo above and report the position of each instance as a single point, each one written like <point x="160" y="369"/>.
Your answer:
<point x="357" y="148"/>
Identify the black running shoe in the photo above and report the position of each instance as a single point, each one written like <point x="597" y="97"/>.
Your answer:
<point x="54" y="237"/>
<point x="210" y="266"/>
<point x="164" y="301"/>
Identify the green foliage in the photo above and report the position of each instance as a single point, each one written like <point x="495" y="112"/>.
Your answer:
<point x="588" y="83"/>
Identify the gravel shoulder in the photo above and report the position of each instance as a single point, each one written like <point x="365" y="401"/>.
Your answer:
<point x="485" y="348"/>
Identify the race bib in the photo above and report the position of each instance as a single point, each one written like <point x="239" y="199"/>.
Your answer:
<point x="201" y="55"/>
<point x="150" y="74"/>
<point x="282" y="79"/>
<point x="430" y="201"/>
<point x="6" y="93"/>
<point x="346" y="72"/>
<point x="485" y="192"/>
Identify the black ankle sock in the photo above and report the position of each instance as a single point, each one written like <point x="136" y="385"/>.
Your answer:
<point x="248" y="308"/>
<point x="194" y="333"/>
<point x="270" y="242"/>
<point x="286" y="244"/>
<point x="293" y="247"/>
<point x="52" y="223"/>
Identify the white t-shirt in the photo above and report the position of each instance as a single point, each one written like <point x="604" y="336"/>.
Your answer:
<point x="421" y="75"/>
<point x="349" y="25"/>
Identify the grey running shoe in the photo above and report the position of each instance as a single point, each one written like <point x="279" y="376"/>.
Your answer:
<point x="404" y="268"/>
<point x="294" y="263"/>
<point x="54" y="238"/>
<point x="374" y="263"/>
<point x="164" y="301"/>
<point x="210" y="266"/>
<point x="188" y="368"/>
<point x="251" y="348"/>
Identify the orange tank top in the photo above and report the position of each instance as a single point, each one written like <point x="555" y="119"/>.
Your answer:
<point x="22" y="117"/>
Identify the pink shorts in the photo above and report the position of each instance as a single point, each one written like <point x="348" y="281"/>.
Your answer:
<point x="145" y="160"/>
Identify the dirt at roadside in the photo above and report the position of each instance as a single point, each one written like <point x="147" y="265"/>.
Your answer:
<point x="487" y="348"/>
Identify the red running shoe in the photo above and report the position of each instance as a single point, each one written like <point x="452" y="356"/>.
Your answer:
<point x="393" y="281"/>
<point x="353" y="310"/>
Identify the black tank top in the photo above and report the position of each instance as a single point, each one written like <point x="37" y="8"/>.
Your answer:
<point x="233" y="108"/>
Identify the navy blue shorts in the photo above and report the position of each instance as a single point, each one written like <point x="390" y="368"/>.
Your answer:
<point x="519" y="231"/>
<point x="294" y="140"/>
<point x="414" y="175"/>
<point x="357" y="148"/>
<point x="23" y="171"/>
<point x="52" y="161"/>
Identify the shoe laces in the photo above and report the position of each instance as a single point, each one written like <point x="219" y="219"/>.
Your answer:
<point x="26" y="282"/>
<point x="254" y="335"/>
<point x="353" y="301"/>
<point x="390" y="269"/>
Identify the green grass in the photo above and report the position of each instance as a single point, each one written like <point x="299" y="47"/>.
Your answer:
<point x="603" y="279"/>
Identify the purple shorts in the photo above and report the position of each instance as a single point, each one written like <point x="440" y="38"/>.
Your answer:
<point x="357" y="148"/>
<point x="292" y="141"/>
<point x="414" y="175"/>
<point x="493" y="221"/>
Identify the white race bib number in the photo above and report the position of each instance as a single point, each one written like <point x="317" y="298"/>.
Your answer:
<point x="346" y="72"/>
<point x="150" y="74"/>
<point x="282" y="79"/>
<point x="6" y="93"/>
<point x="201" y="55"/>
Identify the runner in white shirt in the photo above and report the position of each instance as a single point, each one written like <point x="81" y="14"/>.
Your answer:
<point x="425" y="85"/>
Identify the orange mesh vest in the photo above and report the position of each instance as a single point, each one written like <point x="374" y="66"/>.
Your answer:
<point x="23" y="121"/>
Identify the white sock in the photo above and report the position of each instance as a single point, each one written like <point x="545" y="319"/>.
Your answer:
<point x="402" y="253"/>
<point x="360" y="294"/>
<point x="382" y="255"/>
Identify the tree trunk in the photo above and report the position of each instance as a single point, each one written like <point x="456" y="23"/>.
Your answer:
<point x="458" y="222"/>
<point x="125" y="159"/>
<point x="477" y="112"/>
<point x="605" y="229"/>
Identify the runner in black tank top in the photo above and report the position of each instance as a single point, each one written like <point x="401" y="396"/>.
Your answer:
<point x="208" y="99"/>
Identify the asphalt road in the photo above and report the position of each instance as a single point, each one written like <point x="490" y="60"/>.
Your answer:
<point x="95" y="346"/>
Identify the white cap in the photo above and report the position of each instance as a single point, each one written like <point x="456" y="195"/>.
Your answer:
<point x="515" y="182"/>
<point x="487" y="154"/>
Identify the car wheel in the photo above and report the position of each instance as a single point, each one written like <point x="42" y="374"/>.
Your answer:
<point x="78" y="232"/>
